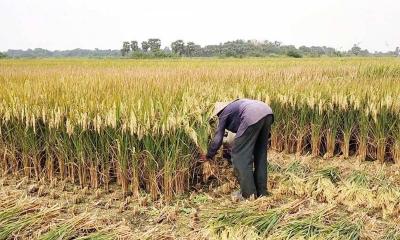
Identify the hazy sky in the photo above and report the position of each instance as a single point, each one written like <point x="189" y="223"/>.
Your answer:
<point x="67" y="24"/>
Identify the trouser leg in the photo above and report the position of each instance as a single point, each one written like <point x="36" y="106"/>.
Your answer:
<point x="260" y="157"/>
<point x="242" y="158"/>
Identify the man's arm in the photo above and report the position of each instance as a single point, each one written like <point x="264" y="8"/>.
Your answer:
<point x="217" y="141"/>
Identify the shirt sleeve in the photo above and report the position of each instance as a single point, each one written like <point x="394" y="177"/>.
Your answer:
<point x="217" y="140"/>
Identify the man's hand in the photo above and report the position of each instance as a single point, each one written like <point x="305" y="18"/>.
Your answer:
<point x="207" y="167"/>
<point x="203" y="158"/>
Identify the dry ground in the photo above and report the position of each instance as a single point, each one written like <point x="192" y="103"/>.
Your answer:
<point x="310" y="199"/>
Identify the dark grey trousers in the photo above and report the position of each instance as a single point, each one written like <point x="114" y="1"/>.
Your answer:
<point x="249" y="158"/>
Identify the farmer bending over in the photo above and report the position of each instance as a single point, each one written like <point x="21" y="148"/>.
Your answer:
<point x="251" y="121"/>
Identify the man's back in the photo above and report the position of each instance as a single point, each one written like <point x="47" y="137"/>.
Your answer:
<point x="242" y="113"/>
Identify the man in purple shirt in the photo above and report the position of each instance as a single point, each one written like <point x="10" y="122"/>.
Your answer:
<point x="251" y="120"/>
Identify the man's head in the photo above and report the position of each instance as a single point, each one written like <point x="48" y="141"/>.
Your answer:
<point x="219" y="106"/>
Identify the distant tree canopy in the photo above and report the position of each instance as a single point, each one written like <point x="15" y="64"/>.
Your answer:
<point x="179" y="48"/>
<point x="44" y="53"/>
<point x="294" y="53"/>
<point x="126" y="47"/>
<point x="145" y="46"/>
<point x="241" y="48"/>
<point x="134" y="46"/>
<point x="154" y="44"/>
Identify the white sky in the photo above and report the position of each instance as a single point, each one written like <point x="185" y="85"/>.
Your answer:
<point x="68" y="24"/>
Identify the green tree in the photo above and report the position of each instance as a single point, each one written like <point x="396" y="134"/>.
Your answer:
<point x="190" y="49"/>
<point x="154" y="44"/>
<point x="134" y="46"/>
<point x="145" y="46"/>
<point x="125" y="48"/>
<point x="355" y="50"/>
<point x="2" y="55"/>
<point x="277" y="43"/>
<point x="294" y="53"/>
<point x="178" y="47"/>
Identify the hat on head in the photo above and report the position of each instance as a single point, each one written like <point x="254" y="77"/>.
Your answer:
<point x="219" y="106"/>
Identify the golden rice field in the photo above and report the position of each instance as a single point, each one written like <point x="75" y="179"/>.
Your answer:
<point x="142" y="123"/>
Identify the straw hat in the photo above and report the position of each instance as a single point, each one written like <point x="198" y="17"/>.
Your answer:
<point x="229" y="136"/>
<point x="219" y="106"/>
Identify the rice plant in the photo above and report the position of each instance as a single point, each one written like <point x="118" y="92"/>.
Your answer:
<point x="303" y="228"/>
<point x="23" y="215"/>
<point x="331" y="173"/>
<point x="142" y="124"/>
<point x="360" y="178"/>
<point x="391" y="233"/>
<point x="68" y="229"/>
<point x="387" y="197"/>
<point x="322" y="185"/>
<point x="292" y="184"/>
<point x="250" y="216"/>
<point x="297" y="168"/>
<point x="343" y="229"/>
<point x="262" y="222"/>
<point x="355" y="191"/>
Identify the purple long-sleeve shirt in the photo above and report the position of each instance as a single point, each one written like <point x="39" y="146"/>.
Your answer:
<point x="236" y="117"/>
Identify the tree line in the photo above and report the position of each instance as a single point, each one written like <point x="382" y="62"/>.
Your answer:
<point x="238" y="48"/>
<point x="2" y="55"/>
<point x="44" y="53"/>
<point x="179" y="48"/>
